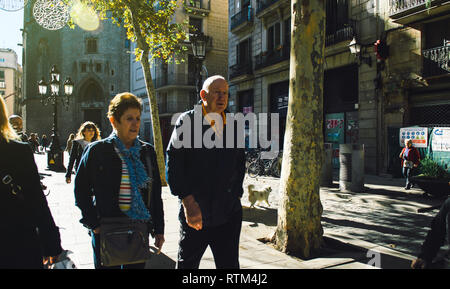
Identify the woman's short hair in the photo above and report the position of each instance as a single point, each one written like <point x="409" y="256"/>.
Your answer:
<point x="121" y="102"/>
<point x="88" y="125"/>
<point x="7" y="133"/>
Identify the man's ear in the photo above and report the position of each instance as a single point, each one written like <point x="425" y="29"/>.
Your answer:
<point x="203" y="94"/>
<point x="111" y="120"/>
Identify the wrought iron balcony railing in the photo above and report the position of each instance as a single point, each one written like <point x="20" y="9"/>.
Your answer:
<point x="340" y="35"/>
<point x="243" y="16"/>
<point x="436" y="61"/>
<point x="241" y="69"/>
<point x="198" y="5"/>
<point x="269" y="58"/>
<point x="263" y="4"/>
<point x="412" y="6"/>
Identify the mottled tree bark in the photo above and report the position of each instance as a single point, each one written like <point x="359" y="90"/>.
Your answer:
<point x="299" y="230"/>
<point x="154" y="113"/>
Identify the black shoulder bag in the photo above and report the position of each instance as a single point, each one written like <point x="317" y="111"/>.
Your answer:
<point x="123" y="240"/>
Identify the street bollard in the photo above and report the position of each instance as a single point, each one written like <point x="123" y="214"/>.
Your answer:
<point x="351" y="171"/>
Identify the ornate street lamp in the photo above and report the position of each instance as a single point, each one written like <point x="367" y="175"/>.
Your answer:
<point x="355" y="49"/>
<point x="55" y="156"/>
<point x="199" y="42"/>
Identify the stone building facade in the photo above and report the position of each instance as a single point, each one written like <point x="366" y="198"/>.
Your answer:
<point x="10" y="80"/>
<point x="367" y="96"/>
<point x="97" y="62"/>
<point x="175" y="83"/>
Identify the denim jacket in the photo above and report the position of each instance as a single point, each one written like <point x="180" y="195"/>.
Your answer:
<point x="97" y="184"/>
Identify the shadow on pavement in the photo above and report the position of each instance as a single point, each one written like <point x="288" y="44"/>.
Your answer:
<point x="159" y="261"/>
<point x="266" y="216"/>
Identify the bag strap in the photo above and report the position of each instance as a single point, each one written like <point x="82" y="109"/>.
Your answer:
<point x="7" y="181"/>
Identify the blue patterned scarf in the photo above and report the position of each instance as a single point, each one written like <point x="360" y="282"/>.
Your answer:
<point x="138" y="177"/>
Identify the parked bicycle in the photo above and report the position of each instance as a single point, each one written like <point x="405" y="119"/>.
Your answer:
<point x="269" y="167"/>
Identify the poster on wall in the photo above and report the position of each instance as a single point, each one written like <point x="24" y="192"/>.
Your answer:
<point x="418" y="135"/>
<point x="441" y="139"/>
<point x="334" y="133"/>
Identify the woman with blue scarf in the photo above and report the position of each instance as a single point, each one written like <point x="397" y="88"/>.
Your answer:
<point x="112" y="179"/>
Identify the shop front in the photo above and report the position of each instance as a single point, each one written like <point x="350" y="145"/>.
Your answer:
<point x="340" y="108"/>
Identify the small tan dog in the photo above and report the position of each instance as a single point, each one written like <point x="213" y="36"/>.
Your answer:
<point x="258" y="196"/>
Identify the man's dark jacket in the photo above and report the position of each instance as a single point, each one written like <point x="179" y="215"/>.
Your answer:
<point x="99" y="175"/>
<point x="21" y="245"/>
<point x="214" y="176"/>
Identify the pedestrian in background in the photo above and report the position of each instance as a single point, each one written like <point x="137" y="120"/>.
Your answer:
<point x="69" y="143"/>
<point x="17" y="124"/>
<point x="410" y="161"/>
<point x="44" y="143"/>
<point x="114" y="172"/>
<point x="34" y="142"/>
<point x="23" y="207"/>
<point x="208" y="182"/>
<point x="88" y="132"/>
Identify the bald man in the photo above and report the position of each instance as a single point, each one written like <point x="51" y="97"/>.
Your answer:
<point x="208" y="181"/>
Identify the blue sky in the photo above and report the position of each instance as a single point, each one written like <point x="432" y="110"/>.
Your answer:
<point x="10" y="34"/>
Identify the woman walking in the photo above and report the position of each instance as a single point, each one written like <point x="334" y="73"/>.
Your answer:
<point x="23" y="207"/>
<point x="88" y="132"/>
<point x="410" y="161"/>
<point x="114" y="171"/>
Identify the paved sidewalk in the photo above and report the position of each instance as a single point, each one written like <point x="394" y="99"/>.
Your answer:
<point x="383" y="220"/>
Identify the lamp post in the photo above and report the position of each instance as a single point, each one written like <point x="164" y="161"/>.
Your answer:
<point x="355" y="49"/>
<point x="55" y="156"/>
<point x="199" y="42"/>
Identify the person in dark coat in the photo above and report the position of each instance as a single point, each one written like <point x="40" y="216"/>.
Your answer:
<point x="29" y="235"/>
<point x="440" y="228"/>
<point x="44" y="142"/>
<point x="112" y="177"/>
<point x="208" y="182"/>
<point x="88" y="132"/>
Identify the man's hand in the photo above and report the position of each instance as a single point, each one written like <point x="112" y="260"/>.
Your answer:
<point x="418" y="264"/>
<point x="159" y="241"/>
<point x="68" y="180"/>
<point x="193" y="213"/>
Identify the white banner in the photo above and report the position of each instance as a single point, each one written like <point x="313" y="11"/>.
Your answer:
<point x="441" y="139"/>
<point x="418" y="135"/>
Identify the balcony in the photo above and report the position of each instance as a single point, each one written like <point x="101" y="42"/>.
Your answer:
<point x="269" y="58"/>
<point x="267" y="7"/>
<point x="339" y="35"/>
<point x="172" y="80"/>
<point x="409" y="11"/>
<point x="241" y="69"/>
<point x="242" y="19"/>
<point x="436" y="61"/>
<point x="197" y="7"/>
